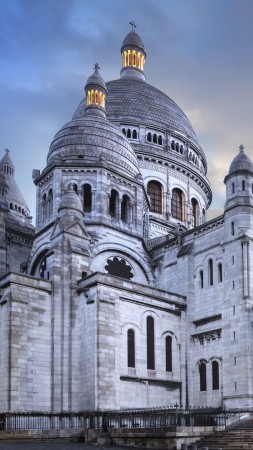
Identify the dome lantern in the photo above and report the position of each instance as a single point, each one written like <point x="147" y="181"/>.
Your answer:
<point x="133" y="55"/>
<point x="96" y="93"/>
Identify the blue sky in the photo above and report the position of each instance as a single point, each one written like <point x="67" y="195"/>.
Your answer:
<point x="199" y="52"/>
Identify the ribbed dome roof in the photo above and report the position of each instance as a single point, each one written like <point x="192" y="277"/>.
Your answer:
<point x="133" y="39"/>
<point x="93" y="138"/>
<point x="136" y="101"/>
<point x="241" y="163"/>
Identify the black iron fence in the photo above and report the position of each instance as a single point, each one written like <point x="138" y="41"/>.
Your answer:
<point x="128" y="419"/>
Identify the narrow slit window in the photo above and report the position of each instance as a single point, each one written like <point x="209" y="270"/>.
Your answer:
<point x="150" y="343"/>
<point x="130" y="348"/>
<point x="210" y="267"/>
<point x="220" y="273"/>
<point x="215" y="375"/>
<point x="168" y="345"/>
<point x="202" y="376"/>
<point x="87" y="198"/>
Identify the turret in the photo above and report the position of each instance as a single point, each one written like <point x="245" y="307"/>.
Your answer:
<point x="96" y="93"/>
<point x="133" y="55"/>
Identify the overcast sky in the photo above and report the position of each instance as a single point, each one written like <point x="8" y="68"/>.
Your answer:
<point x="199" y="52"/>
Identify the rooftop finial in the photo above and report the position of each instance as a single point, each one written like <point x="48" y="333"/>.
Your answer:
<point x="7" y="150"/>
<point x="133" y="25"/>
<point x="241" y="148"/>
<point x="96" y="66"/>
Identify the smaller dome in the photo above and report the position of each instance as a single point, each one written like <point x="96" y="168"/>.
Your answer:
<point x="96" y="80"/>
<point x="241" y="163"/>
<point x="132" y="39"/>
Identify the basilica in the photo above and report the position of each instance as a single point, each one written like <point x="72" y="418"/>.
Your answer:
<point x="123" y="295"/>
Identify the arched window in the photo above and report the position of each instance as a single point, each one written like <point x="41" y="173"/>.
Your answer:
<point x="155" y="139"/>
<point x="135" y="134"/>
<point x="177" y="147"/>
<point x="130" y="348"/>
<point x="201" y="278"/>
<point x="194" y="212"/>
<point x="113" y="203"/>
<point x="173" y="145"/>
<point x="215" y="375"/>
<point x="181" y="149"/>
<point x="243" y="185"/>
<point x="149" y="137"/>
<point x="233" y="188"/>
<point x="210" y="269"/>
<point x="160" y="140"/>
<point x="124" y="131"/>
<point x="177" y="204"/>
<point x="220" y="273"/>
<point x="44" y="207"/>
<point x="150" y="343"/>
<point x="202" y="376"/>
<point x="129" y="133"/>
<point x="87" y="198"/>
<point x="168" y="353"/>
<point x="125" y="205"/>
<point x="155" y="194"/>
<point x="50" y="202"/>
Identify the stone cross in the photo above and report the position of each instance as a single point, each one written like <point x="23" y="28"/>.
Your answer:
<point x="133" y="25"/>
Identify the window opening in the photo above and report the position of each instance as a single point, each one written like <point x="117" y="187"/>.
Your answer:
<point x="215" y="375"/>
<point x="177" y="204"/>
<point x="113" y="204"/>
<point x="150" y="344"/>
<point x="210" y="265"/>
<point x="220" y="273"/>
<point x="125" y="208"/>
<point x="201" y="276"/>
<point x="194" y="212"/>
<point x="168" y="345"/>
<point x="202" y="376"/>
<point x="155" y="193"/>
<point x="232" y="228"/>
<point x="130" y="348"/>
<point x="87" y="198"/>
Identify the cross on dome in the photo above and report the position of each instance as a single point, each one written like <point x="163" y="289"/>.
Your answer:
<point x="241" y="148"/>
<point x="96" y="66"/>
<point x="133" y="25"/>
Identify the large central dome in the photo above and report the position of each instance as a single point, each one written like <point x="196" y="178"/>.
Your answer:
<point x="134" y="100"/>
<point x="171" y="161"/>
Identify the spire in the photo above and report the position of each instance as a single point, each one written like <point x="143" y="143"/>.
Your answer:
<point x="14" y="198"/>
<point x="96" y="92"/>
<point x="133" y="55"/>
<point x="7" y="165"/>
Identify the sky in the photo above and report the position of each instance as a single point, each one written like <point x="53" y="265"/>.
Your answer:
<point x="199" y="52"/>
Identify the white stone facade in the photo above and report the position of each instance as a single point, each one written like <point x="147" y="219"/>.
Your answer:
<point x="128" y="298"/>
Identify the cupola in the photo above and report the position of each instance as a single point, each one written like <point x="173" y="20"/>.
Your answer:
<point x="96" y="93"/>
<point x="133" y="55"/>
<point x="239" y="181"/>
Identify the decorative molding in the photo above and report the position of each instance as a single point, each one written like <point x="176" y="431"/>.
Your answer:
<point x="207" y="336"/>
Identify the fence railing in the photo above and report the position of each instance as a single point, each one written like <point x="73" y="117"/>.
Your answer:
<point x="128" y="419"/>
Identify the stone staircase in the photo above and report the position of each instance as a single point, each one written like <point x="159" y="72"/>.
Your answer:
<point x="238" y="437"/>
